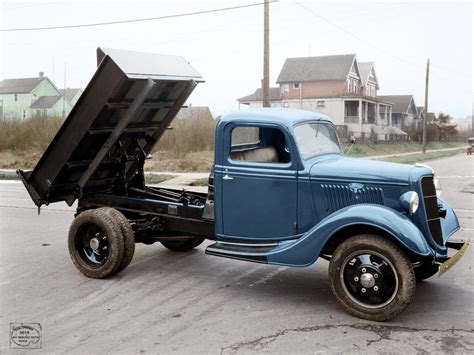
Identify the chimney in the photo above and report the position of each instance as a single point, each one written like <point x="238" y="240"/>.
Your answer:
<point x="41" y="75"/>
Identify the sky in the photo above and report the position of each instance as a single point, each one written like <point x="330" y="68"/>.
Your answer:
<point x="227" y="47"/>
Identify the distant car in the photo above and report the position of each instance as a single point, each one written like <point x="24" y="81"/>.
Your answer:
<point x="471" y="146"/>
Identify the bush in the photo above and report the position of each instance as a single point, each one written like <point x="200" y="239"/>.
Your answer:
<point x="188" y="135"/>
<point x="28" y="134"/>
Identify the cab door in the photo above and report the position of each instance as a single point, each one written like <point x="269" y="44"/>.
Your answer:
<point x="259" y="189"/>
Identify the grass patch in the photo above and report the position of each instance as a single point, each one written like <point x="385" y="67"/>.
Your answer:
<point x="200" y="182"/>
<point x="156" y="179"/>
<point x="6" y="175"/>
<point x="189" y="162"/>
<point x="371" y="149"/>
<point x="420" y="157"/>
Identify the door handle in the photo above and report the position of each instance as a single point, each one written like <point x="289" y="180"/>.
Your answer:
<point x="227" y="177"/>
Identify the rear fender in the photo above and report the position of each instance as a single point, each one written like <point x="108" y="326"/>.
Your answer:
<point x="307" y="248"/>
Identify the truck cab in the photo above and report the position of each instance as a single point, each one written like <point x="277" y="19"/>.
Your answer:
<point x="281" y="191"/>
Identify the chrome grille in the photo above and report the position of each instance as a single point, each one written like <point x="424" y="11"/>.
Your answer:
<point x="430" y="203"/>
<point x="338" y="196"/>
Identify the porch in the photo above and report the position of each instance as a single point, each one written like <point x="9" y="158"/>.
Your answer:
<point x="369" y="112"/>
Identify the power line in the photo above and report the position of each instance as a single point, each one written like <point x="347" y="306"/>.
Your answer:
<point x="372" y="45"/>
<point x="353" y="34"/>
<point x="137" y="20"/>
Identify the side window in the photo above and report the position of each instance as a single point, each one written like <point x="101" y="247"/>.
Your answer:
<point x="259" y="145"/>
<point x="245" y="136"/>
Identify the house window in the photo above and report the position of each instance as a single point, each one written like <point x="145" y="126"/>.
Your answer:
<point x="321" y="103"/>
<point x="285" y="88"/>
<point x="15" y="97"/>
<point x="24" y="113"/>
<point x="34" y="96"/>
<point x="296" y="85"/>
<point x="285" y="103"/>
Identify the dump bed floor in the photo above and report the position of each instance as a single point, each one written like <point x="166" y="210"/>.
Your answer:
<point x="124" y="110"/>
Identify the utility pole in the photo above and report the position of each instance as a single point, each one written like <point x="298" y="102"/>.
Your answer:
<point x="64" y="92"/>
<point x="266" y="55"/>
<point x="423" y="149"/>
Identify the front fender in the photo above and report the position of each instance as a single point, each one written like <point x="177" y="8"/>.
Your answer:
<point x="307" y="248"/>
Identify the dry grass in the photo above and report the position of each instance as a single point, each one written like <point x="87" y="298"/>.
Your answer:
<point x="33" y="134"/>
<point x="190" y="162"/>
<point x="188" y="136"/>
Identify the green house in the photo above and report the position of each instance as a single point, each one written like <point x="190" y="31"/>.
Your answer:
<point x="31" y="97"/>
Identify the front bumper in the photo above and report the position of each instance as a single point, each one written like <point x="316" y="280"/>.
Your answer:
<point x="448" y="263"/>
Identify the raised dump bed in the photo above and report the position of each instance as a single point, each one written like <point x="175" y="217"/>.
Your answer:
<point x="124" y="110"/>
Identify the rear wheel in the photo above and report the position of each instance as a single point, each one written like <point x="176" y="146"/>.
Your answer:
<point x="372" y="277"/>
<point x="127" y="233"/>
<point x="95" y="244"/>
<point x="182" y="245"/>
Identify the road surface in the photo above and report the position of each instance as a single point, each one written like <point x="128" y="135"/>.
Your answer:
<point x="167" y="302"/>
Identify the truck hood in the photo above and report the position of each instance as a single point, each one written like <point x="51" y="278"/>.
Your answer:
<point x="357" y="169"/>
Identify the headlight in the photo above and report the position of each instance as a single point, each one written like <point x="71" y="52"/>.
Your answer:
<point x="437" y="185"/>
<point x="409" y="201"/>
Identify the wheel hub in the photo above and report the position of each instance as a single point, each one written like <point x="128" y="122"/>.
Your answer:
<point x="94" y="244"/>
<point x="367" y="280"/>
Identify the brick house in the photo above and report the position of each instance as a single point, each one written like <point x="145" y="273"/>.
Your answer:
<point x="338" y="86"/>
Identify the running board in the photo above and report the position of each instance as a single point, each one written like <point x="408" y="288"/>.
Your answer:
<point x="249" y="252"/>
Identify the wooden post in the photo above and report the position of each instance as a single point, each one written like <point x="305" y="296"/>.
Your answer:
<point x="266" y="55"/>
<point x="423" y="149"/>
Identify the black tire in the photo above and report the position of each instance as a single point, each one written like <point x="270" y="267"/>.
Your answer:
<point x="371" y="277"/>
<point x="425" y="271"/>
<point x="127" y="233"/>
<point x="183" y="244"/>
<point x="88" y="255"/>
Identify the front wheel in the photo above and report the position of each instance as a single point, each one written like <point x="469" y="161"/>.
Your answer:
<point x="182" y="245"/>
<point x="372" y="277"/>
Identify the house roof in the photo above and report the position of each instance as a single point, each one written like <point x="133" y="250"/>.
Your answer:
<point x="19" y="86"/>
<point x="194" y="112"/>
<point x="401" y="103"/>
<point x="257" y="95"/>
<point x="331" y="67"/>
<point x="364" y="69"/>
<point x="45" y="102"/>
<point x="70" y="93"/>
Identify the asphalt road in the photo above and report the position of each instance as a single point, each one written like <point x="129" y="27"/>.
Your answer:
<point x="167" y="302"/>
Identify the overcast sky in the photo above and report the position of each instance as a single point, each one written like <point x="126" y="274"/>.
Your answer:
<point x="227" y="47"/>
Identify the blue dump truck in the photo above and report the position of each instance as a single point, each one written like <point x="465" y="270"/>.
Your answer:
<point x="281" y="190"/>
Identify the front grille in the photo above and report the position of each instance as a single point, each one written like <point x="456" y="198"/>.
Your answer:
<point x="339" y="196"/>
<point x="430" y="202"/>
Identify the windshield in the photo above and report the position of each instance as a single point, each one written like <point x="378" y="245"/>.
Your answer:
<point x="315" y="138"/>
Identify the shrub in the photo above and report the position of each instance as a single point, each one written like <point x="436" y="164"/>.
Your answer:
<point x="28" y="134"/>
